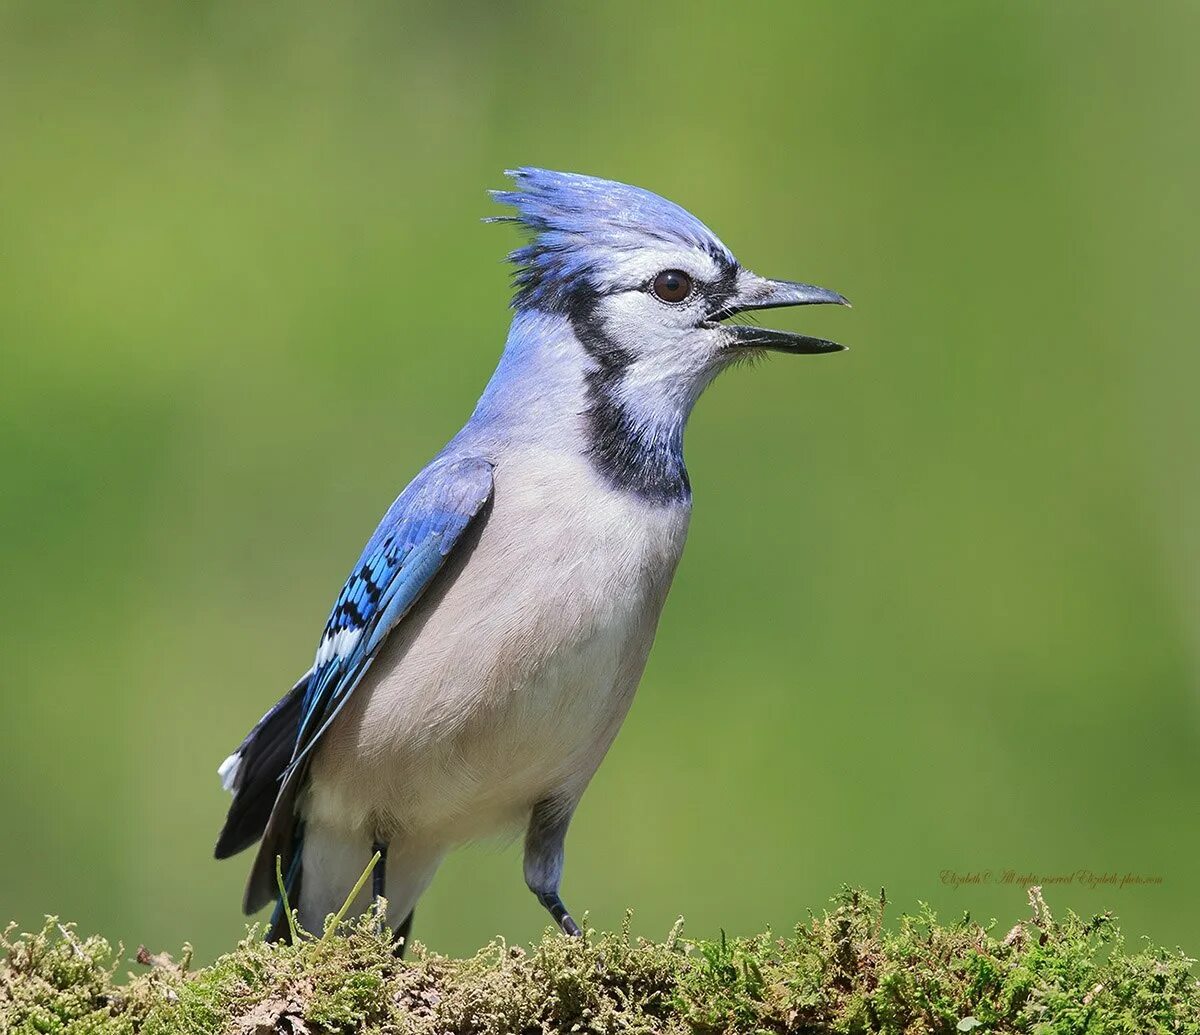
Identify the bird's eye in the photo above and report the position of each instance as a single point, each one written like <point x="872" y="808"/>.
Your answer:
<point x="672" y="285"/>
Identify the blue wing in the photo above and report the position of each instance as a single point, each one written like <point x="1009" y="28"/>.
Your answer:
<point x="408" y="548"/>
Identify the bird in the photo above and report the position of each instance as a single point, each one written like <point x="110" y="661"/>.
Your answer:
<point x="484" y="651"/>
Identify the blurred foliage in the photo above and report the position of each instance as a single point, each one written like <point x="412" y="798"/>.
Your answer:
<point x="939" y="609"/>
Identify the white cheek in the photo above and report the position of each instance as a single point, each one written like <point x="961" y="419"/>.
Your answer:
<point x="670" y="381"/>
<point x="635" y="315"/>
<point x="674" y="360"/>
<point x="646" y="327"/>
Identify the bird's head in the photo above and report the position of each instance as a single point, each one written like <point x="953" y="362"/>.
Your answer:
<point x="645" y="284"/>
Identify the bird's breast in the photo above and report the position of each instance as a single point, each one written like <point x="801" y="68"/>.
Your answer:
<point x="510" y="678"/>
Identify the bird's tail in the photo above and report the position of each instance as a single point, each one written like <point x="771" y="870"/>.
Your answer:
<point x="253" y="772"/>
<point x="281" y="924"/>
<point x="282" y="840"/>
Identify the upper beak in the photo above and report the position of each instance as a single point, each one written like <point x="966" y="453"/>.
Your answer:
<point x="755" y="292"/>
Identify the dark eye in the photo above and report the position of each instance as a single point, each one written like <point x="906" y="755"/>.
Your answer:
<point x="672" y="285"/>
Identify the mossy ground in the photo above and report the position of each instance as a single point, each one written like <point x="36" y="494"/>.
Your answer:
<point x="841" y="971"/>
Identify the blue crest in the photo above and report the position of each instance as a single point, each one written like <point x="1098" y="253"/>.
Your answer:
<point x="578" y="222"/>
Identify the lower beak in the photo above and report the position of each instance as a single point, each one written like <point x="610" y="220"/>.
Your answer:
<point x="741" y="337"/>
<point x="755" y="292"/>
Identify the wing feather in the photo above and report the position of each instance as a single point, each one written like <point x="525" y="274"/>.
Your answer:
<point x="408" y="549"/>
<point x="405" y="553"/>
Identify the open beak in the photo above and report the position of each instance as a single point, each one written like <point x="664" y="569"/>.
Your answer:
<point x="755" y="292"/>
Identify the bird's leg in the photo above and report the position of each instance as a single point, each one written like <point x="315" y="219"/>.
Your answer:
<point x="544" y="849"/>
<point x="378" y="877"/>
<point x="559" y="911"/>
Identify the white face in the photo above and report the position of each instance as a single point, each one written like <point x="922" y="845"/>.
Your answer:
<point x="677" y="351"/>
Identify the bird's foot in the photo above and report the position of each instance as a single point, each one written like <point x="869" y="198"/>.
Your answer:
<point x="565" y="921"/>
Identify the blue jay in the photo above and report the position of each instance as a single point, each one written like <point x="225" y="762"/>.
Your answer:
<point x="485" y="649"/>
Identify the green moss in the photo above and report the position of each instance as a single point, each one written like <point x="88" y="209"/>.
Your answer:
<point x="841" y="971"/>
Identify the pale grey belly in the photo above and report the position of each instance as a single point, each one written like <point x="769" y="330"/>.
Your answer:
<point x="505" y="685"/>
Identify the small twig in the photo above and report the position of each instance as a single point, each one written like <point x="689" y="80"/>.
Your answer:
<point x="72" y="941"/>
<point x="341" y="914"/>
<point x="283" y="897"/>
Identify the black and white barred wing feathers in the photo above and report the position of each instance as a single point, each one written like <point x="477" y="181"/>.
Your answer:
<point x="410" y="546"/>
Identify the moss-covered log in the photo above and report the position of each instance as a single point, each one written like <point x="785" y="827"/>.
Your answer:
<point x="841" y="971"/>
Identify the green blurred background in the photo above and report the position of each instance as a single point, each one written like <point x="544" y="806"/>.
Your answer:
<point x="939" y="608"/>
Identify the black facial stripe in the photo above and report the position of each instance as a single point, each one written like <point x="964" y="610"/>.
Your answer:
<point x="630" y="459"/>
<point x="719" y="292"/>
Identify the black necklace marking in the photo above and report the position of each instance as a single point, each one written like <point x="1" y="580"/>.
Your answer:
<point x="631" y="458"/>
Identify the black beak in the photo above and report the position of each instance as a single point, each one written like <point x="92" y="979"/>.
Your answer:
<point x="755" y="292"/>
